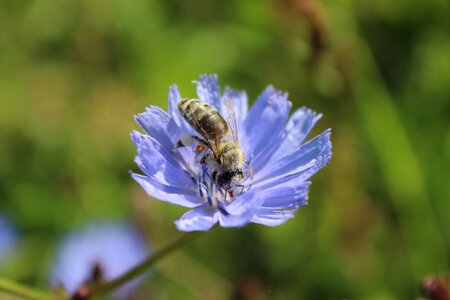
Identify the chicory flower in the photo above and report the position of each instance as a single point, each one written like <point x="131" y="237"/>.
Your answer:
<point x="7" y="238"/>
<point x="280" y="162"/>
<point x="99" y="252"/>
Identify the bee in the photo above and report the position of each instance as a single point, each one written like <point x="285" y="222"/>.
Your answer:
<point x="227" y="162"/>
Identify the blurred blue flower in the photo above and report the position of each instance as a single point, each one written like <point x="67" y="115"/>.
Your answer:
<point x="7" y="238"/>
<point x="274" y="143"/>
<point x="99" y="252"/>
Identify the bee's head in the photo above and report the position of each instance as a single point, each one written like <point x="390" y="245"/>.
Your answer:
<point x="229" y="179"/>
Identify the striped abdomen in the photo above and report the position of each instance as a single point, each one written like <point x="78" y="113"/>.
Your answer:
<point x="204" y="118"/>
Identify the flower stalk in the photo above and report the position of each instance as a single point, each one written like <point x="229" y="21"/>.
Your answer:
<point x="143" y="267"/>
<point x="28" y="293"/>
<point x="22" y="291"/>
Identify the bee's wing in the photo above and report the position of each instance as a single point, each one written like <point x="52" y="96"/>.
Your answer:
<point x="198" y="127"/>
<point x="213" y="145"/>
<point x="231" y="118"/>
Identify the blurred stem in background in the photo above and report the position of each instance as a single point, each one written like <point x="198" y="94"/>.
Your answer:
<point x="318" y="31"/>
<point x="143" y="267"/>
<point x="399" y="166"/>
<point x="25" y="292"/>
<point x="22" y="291"/>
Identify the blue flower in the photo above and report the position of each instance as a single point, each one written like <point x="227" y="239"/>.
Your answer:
<point x="280" y="162"/>
<point x="99" y="252"/>
<point x="7" y="238"/>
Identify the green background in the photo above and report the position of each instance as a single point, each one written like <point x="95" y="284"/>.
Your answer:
<point x="73" y="74"/>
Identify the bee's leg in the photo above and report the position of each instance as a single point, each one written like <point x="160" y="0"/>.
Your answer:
<point x="200" y="140"/>
<point x="244" y="189"/>
<point x="250" y="172"/>
<point x="204" y="159"/>
<point x="187" y="140"/>
<point x="229" y="193"/>
<point x="249" y="167"/>
<point x="248" y="188"/>
<point x="202" y="144"/>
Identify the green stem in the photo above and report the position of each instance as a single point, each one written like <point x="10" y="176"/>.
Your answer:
<point x="22" y="291"/>
<point x="145" y="265"/>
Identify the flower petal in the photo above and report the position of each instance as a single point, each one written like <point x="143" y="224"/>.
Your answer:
<point x="198" y="219"/>
<point x="296" y="131"/>
<point x="166" y="193"/>
<point x="240" y="211"/>
<point x="272" y="218"/>
<point x="305" y="161"/>
<point x="208" y="90"/>
<point x="174" y="98"/>
<point x="287" y="195"/>
<point x="264" y="125"/>
<point x="240" y="103"/>
<point x="235" y="221"/>
<point x="158" y="124"/>
<point x="244" y="202"/>
<point x="159" y="163"/>
<point x="174" y="113"/>
<point x="281" y="202"/>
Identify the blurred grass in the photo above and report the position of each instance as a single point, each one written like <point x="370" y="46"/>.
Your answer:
<point x="417" y="222"/>
<point x="73" y="73"/>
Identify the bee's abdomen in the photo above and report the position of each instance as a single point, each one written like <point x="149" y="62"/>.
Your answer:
<point x="204" y="118"/>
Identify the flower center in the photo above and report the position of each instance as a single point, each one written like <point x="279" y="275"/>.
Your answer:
<point x="209" y="190"/>
<point x="219" y="175"/>
<point x="209" y="178"/>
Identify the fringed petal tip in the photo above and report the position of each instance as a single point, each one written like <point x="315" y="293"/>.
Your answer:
<point x="273" y="218"/>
